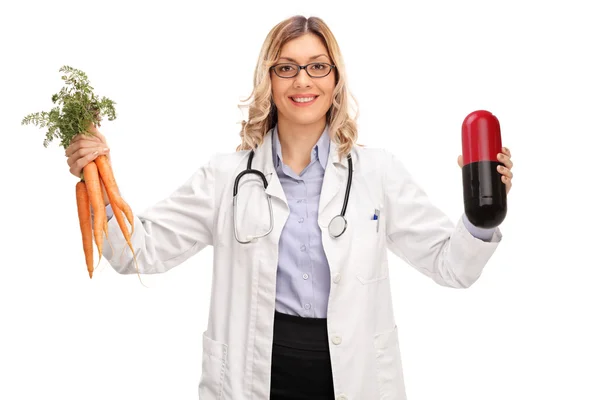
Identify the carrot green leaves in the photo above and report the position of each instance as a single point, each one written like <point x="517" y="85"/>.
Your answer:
<point x="76" y="108"/>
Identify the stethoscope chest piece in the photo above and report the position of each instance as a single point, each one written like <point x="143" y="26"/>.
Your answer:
<point x="337" y="226"/>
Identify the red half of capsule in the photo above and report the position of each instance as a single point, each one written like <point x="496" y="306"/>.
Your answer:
<point x="481" y="139"/>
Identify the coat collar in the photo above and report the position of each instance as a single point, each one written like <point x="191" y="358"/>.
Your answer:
<point x="263" y="157"/>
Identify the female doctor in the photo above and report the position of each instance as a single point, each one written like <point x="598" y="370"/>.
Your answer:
<point x="301" y="306"/>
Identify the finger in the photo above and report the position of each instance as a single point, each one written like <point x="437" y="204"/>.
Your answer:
<point x="81" y="144"/>
<point x="508" y="182"/>
<point x="78" y="166"/>
<point x="505" y="160"/>
<point x="505" y="171"/>
<point x="84" y="153"/>
<point x="77" y="137"/>
<point x="77" y="153"/>
<point x="506" y="151"/>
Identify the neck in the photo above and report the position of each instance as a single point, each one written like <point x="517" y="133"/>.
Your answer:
<point x="297" y="142"/>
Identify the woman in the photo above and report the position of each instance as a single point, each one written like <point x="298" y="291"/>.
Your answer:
<point x="301" y="308"/>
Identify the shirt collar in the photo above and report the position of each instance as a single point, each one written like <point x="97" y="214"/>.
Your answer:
<point x="320" y="150"/>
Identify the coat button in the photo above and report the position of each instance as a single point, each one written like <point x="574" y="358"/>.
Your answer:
<point x="337" y="277"/>
<point x="336" y="340"/>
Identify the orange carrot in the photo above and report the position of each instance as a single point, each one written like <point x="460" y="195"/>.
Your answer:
<point x="121" y="221"/>
<point x="92" y="183"/>
<point x="106" y="226"/>
<point x="117" y="211"/>
<point x="112" y="190"/>
<point x="85" y="223"/>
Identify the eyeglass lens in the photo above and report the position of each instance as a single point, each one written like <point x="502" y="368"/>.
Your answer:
<point x="316" y="70"/>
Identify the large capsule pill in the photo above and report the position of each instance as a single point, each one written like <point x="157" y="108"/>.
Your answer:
<point x="483" y="190"/>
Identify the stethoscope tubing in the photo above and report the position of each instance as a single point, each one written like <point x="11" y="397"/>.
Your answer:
<point x="249" y="170"/>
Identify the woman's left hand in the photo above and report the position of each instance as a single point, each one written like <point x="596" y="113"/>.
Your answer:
<point x="505" y="170"/>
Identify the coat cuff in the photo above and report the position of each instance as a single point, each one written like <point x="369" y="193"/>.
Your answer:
<point x="494" y="234"/>
<point x="484" y="234"/>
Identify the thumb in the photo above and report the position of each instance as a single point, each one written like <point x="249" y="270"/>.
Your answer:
<point x="460" y="161"/>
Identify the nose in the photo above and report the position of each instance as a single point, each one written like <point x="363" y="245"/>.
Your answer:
<point x="302" y="79"/>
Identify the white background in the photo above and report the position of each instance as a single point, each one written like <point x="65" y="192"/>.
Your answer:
<point x="177" y="70"/>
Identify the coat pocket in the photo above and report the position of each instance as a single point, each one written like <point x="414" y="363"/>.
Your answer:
<point x="372" y="275"/>
<point x="368" y="252"/>
<point x="389" y="366"/>
<point x="214" y="364"/>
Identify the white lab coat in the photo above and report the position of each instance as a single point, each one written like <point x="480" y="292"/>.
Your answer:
<point x="365" y="355"/>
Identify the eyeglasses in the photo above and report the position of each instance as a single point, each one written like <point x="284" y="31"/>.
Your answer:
<point x="314" y="70"/>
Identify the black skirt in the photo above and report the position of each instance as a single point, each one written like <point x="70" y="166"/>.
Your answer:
<point x="301" y="368"/>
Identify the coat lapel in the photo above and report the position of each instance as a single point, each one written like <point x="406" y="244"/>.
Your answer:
<point x="334" y="186"/>
<point x="263" y="160"/>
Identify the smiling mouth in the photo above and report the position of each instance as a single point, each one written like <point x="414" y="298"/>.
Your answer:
<point x="303" y="99"/>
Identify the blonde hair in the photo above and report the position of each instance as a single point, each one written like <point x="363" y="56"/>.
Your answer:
<point x="262" y="112"/>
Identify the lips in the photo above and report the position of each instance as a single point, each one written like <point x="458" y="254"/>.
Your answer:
<point x="303" y="99"/>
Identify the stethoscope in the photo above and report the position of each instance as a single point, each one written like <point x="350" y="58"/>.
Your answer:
<point x="337" y="225"/>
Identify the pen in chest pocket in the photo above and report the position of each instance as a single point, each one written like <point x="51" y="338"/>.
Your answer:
<point x="376" y="217"/>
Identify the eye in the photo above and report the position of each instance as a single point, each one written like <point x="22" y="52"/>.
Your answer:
<point x="318" y="66"/>
<point x="285" y="68"/>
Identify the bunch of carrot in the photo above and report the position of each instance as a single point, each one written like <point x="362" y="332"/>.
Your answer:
<point x="89" y="193"/>
<point x="78" y="111"/>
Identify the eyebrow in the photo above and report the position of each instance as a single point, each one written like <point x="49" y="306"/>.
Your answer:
<point x="311" y="58"/>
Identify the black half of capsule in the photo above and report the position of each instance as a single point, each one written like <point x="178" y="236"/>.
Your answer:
<point x="484" y="194"/>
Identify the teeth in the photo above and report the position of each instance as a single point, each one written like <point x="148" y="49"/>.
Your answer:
<point x="302" y="99"/>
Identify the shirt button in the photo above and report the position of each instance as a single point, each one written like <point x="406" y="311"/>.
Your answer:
<point x="336" y="278"/>
<point x="301" y="220"/>
<point x="305" y="276"/>
<point x="303" y="248"/>
<point x="336" y="340"/>
<point x="307" y="306"/>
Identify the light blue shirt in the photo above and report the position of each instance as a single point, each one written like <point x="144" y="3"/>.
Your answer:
<point x="303" y="277"/>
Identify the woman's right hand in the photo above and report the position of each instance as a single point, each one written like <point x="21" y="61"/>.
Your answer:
<point x="84" y="149"/>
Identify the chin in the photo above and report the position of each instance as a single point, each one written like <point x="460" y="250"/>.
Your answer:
<point x="306" y="119"/>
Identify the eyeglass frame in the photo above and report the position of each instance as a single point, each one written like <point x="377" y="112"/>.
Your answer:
<point x="302" y="67"/>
